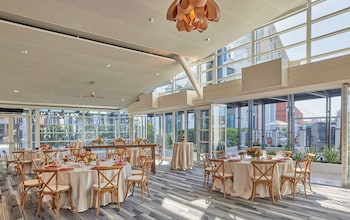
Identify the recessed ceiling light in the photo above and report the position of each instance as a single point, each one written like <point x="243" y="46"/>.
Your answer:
<point x="24" y="51"/>
<point x="207" y="39"/>
<point x="108" y="65"/>
<point x="16" y="91"/>
<point x="151" y="20"/>
<point x="157" y="74"/>
<point x="123" y="100"/>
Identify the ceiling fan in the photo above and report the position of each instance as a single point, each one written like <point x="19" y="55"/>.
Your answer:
<point x="93" y="93"/>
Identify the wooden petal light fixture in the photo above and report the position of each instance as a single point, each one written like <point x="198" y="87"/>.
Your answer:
<point x="193" y="14"/>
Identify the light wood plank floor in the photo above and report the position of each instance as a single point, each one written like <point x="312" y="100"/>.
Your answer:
<point x="180" y="195"/>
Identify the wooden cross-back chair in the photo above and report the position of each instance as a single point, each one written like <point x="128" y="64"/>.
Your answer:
<point x="219" y="173"/>
<point x="263" y="173"/>
<point x="9" y="161"/>
<point x="19" y="158"/>
<point x="299" y="175"/>
<point x="49" y="186"/>
<point x="208" y="170"/>
<point x="50" y="156"/>
<point x="106" y="183"/>
<point x="26" y="185"/>
<point x="310" y="158"/>
<point x="140" y="160"/>
<point x="142" y="180"/>
<point x="122" y="153"/>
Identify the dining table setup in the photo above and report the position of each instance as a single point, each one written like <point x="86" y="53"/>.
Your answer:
<point x="81" y="177"/>
<point x="242" y="170"/>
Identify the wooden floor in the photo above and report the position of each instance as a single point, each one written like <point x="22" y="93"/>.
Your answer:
<point x="180" y="195"/>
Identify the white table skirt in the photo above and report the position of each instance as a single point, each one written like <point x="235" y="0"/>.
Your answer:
<point x="242" y="183"/>
<point x="182" y="156"/>
<point x="81" y="181"/>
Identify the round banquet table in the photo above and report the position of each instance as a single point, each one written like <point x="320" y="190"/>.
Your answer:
<point x="242" y="184"/>
<point x="182" y="156"/>
<point x="81" y="181"/>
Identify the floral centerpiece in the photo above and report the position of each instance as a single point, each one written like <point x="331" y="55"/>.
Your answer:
<point x="138" y="140"/>
<point x="45" y="146"/>
<point x="87" y="157"/>
<point x="254" y="152"/>
<point x="119" y="141"/>
<point x="98" y="141"/>
<point x="145" y="141"/>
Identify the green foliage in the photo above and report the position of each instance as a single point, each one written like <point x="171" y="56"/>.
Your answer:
<point x="330" y="154"/>
<point x="232" y="136"/>
<point x="256" y="144"/>
<point x="279" y="145"/>
<point x="271" y="152"/>
<point x="297" y="156"/>
<point x="288" y="148"/>
<point x="313" y="150"/>
<point x="150" y="133"/>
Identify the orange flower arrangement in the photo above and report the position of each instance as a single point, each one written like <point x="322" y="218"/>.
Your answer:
<point x="138" y="140"/>
<point x="87" y="157"/>
<point x="45" y="146"/>
<point x="98" y="141"/>
<point x="119" y="140"/>
<point x="254" y="152"/>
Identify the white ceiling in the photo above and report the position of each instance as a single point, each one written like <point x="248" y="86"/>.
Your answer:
<point x="70" y="42"/>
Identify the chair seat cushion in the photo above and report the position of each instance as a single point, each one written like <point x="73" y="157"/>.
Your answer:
<point x="209" y="169"/>
<point x="33" y="182"/>
<point x="136" y="172"/>
<point x="136" y="178"/>
<point x="59" y="188"/>
<point x="103" y="184"/>
<point x="226" y="175"/>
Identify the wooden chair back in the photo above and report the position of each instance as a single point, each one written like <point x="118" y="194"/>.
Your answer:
<point x="18" y="156"/>
<point x="217" y="154"/>
<point x="50" y="156"/>
<point x="218" y="167"/>
<point x="287" y="154"/>
<point x="106" y="183"/>
<point x="263" y="173"/>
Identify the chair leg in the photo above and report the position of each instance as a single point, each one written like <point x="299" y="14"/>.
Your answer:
<point x="57" y="206"/>
<point x="23" y="200"/>
<point x="98" y="202"/>
<point x="94" y="198"/>
<point x="304" y="184"/>
<point x="142" y="191"/>
<point x="117" y="197"/>
<point x="253" y="192"/>
<point x="309" y="179"/>
<point x="127" y="191"/>
<point x="39" y="205"/>
<point x="149" y="194"/>
<point x="224" y="184"/>
<point x="272" y="194"/>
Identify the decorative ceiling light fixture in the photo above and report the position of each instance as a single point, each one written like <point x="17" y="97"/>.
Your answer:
<point x="193" y="14"/>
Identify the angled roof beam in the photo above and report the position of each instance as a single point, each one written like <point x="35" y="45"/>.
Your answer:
<point x="189" y="74"/>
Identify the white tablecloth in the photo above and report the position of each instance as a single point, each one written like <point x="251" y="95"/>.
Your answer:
<point x="182" y="156"/>
<point x="242" y="183"/>
<point x="28" y="157"/>
<point x="81" y="181"/>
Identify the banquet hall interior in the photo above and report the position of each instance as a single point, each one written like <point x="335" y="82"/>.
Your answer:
<point x="175" y="105"/>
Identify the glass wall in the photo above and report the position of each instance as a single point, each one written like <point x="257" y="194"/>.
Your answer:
<point x="169" y="141"/>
